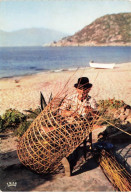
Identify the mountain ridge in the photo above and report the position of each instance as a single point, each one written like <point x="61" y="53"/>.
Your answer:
<point x="29" y="37"/>
<point x="108" y="30"/>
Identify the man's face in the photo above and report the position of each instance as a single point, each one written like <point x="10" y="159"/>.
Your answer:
<point x="79" y="91"/>
<point x="83" y="92"/>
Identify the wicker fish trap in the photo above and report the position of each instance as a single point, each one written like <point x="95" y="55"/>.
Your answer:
<point x="52" y="137"/>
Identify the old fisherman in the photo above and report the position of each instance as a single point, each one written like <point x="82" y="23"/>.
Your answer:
<point x="80" y="102"/>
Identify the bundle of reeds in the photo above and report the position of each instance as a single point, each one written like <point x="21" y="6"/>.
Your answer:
<point x="51" y="137"/>
<point x="115" y="172"/>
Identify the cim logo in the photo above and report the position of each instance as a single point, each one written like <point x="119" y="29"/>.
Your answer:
<point x="10" y="184"/>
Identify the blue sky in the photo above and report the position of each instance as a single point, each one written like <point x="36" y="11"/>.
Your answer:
<point x="67" y="16"/>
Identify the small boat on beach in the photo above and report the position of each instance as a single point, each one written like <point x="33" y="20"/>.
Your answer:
<point x="101" y="65"/>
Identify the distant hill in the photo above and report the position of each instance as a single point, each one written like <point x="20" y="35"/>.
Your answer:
<point x="29" y="37"/>
<point x="114" y="29"/>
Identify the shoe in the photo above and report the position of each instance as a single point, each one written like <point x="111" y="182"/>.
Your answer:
<point x="66" y="165"/>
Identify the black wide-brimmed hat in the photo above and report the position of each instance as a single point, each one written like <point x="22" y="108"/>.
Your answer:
<point x="83" y="83"/>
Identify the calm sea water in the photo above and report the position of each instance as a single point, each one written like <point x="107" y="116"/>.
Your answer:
<point x="19" y="61"/>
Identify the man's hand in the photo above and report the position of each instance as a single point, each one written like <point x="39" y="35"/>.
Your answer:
<point x="67" y="113"/>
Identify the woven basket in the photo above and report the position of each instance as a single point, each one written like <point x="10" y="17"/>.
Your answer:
<point x="51" y="137"/>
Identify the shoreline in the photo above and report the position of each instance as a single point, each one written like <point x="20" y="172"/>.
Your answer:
<point x="104" y="45"/>
<point x="87" y="45"/>
<point x="42" y="72"/>
<point x="23" y="92"/>
<point x="117" y="65"/>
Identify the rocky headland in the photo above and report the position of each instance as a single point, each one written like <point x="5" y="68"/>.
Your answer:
<point x="109" y="30"/>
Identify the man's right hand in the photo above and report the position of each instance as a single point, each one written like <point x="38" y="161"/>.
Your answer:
<point x="66" y="113"/>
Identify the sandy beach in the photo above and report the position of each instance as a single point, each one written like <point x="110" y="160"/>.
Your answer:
<point x="55" y="137"/>
<point x="24" y="92"/>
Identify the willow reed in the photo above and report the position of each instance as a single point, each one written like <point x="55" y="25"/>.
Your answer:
<point x="115" y="172"/>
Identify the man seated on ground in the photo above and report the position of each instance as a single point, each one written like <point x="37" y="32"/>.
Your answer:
<point x="81" y="104"/>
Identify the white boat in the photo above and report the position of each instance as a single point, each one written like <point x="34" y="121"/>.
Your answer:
<point x="101" y="65"/>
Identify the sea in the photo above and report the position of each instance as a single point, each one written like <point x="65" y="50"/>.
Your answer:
<point x="20" y="61"/>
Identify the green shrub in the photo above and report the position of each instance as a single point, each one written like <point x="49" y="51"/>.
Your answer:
<point x="110" y="103"/>
<point x="12" y="118"/>
<point x="105" y="110"/>
<point x="22" y="128"/>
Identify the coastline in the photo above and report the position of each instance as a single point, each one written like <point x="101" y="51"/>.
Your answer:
<point x="42" y="72"/>
<point x="56" y="71"/>
<point x="68" y="44"/>
<point x="23" y="92"/>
